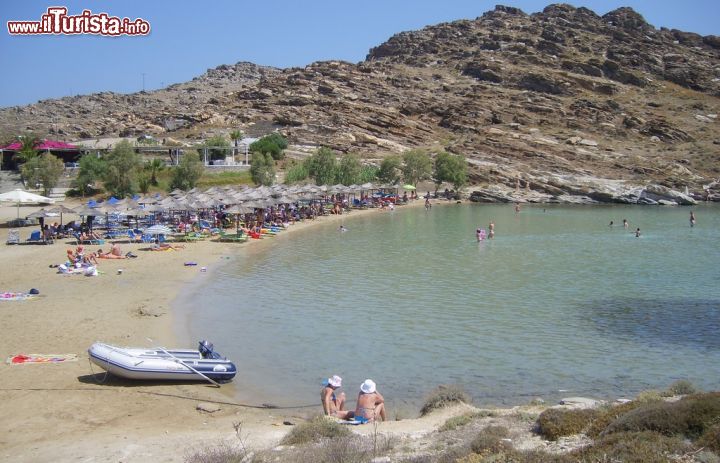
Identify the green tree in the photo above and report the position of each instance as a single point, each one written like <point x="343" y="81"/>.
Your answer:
<point x="296" y="172"/>
<point x="154" y="167"/>
<point x="451" y="168"/>
<point x="28" y="147"/>
<point x="417" y="166"/>
<point x="236" y="136"/>
<point x="278" y="140"/>
<point x="123" y="166"/>
<point x="460" y="177"/>
<point x="348" y="172"/>
<point x="390" y="170"/>
<point x="92" y="169"/>
<point x="262" y="168"/>
<point x="322" y="166"/>
<point x="273" y="144"/>
<point x="144" y="182"/>
<point x="218" y="147"/>
<point x="44" y="170"/>
<point x="188" y="171"/>
<point x="368" y="173"/>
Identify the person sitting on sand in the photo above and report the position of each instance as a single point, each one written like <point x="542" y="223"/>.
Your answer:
<point x="89" y="259"/>
<point x="370" y="403"/>
<point x="166" y="246"/>
<point x="333" y="402"/>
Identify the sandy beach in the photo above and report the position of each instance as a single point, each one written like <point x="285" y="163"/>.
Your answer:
<point x="60" y="412"/>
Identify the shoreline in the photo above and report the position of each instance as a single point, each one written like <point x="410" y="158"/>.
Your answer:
<point x="47" y="405"/>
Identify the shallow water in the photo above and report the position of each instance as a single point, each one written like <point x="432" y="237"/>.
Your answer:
<point x="558" y="304"/>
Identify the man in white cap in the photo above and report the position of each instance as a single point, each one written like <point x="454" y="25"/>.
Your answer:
<point x="333" y="403"/>
<point x="370" y="403"/>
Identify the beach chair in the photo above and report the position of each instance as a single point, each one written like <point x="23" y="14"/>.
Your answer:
<point x="35" y="238"/>
<point x="134" y="238"/>
<point x="87" y="240"/>
<point x="13" y="237"/>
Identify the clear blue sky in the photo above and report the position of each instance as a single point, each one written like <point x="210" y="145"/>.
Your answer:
<point x="189" y="37"/>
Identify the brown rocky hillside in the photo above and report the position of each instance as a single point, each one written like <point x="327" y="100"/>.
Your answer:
<point x="564" y="104"/>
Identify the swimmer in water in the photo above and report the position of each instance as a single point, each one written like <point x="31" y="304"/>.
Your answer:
<point x="692" y="219"/>
<point x="637" y="233"/>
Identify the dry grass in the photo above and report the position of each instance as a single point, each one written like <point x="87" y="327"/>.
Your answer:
<point x="315" y="430"/>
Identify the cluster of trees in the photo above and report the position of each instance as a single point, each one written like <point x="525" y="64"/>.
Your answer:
<point x="412" y="167"/>
<point x="123" y="172"/>
<point x="38" y="170"/>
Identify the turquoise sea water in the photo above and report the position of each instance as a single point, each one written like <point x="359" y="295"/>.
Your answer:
<point x="558" y="304"/>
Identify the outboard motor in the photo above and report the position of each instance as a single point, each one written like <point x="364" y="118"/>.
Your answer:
<point x="206" y="349"/>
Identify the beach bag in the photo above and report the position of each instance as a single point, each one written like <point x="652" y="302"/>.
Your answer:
<point x="91" y="271"/>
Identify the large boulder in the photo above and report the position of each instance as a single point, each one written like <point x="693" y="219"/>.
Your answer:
<point x="663" y="194"/>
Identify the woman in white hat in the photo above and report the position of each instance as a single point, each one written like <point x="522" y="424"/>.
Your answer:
<point x="332" y="402"/>
<point x="370" y="403"/>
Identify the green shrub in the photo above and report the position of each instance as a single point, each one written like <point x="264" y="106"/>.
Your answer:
<point x="710" y="439"/>
<point x="296" y="173"/>
<point x="689" y="417"/>
<point x="554" y="423"/>
<point x="607" y="415"/>
<point x="456" y="421"/>
<point x="650" y="395"/>
<point x="491" y="440"/>
<point x="443" y="396"/>
<point x="681" y="387"/>
<point x="314" y="430"/>
<point x="350" y="449"/>
<point x="632" y="447"/>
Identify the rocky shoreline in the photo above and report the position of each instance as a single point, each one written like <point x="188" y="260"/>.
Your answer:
<point x="587" y="190"/>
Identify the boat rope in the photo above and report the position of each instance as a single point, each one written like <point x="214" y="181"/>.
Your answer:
<point x="164" y="394"/>
<point x="94" y="375"/>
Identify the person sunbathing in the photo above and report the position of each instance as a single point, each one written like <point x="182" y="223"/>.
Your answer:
<point x="166" y="247"/>
<point x="107" y="255"/>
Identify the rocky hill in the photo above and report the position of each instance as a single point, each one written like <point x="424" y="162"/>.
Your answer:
<point x="559" y="104"/>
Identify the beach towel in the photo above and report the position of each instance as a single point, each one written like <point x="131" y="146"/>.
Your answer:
<point x="8" y="296"/>
<point x="41" y="358"/>
<point x="355" y="421"/>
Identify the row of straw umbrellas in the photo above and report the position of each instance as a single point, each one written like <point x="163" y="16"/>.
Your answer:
<point x="243" y="200"/>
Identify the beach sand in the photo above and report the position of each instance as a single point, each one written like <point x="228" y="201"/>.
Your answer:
<point x="59" y="412"/>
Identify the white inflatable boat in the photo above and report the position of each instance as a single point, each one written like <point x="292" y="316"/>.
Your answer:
<point x="161" y="364"/>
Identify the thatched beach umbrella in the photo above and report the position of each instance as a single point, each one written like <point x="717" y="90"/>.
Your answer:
<point x="237" y="210"/>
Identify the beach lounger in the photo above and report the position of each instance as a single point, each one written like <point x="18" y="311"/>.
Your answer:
<point x="13" y="237"/>
<point x="35" y="238"/>
<point x="234" y="238"/>
<point x="87" y="240"/>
